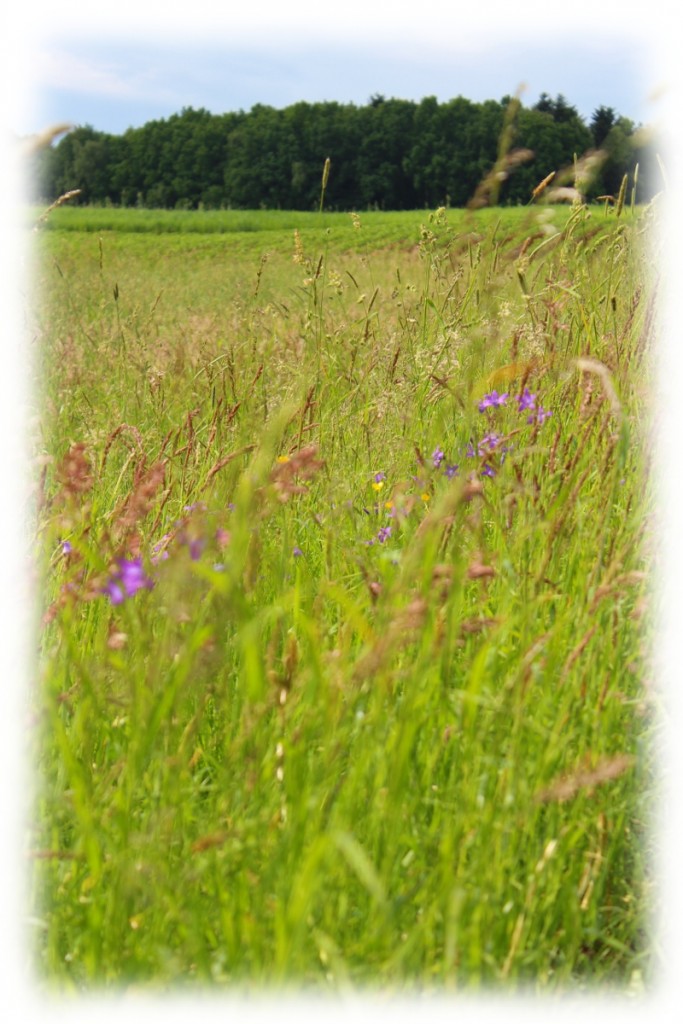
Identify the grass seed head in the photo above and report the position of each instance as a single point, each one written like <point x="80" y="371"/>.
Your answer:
<point x="74" y="473"/>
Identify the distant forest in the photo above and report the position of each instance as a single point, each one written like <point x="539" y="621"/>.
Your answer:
<point x="390" y="154"/>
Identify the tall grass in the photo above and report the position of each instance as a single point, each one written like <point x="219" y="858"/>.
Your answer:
<point x="344" y="648"/>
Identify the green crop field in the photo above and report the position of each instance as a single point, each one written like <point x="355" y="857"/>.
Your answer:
<point x="344" y="527"/>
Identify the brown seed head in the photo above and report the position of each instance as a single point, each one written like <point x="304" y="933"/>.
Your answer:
<point x="74" y="473"/>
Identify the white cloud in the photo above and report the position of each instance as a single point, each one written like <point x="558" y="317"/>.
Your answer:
<point x="58" y="69"/>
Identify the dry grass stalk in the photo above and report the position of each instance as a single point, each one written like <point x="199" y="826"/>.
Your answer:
<point x="290" y="470"/>
<point x="617" y="586"/>
<point x="576" y="653"/>
<point x="140" y="501"/>
<point x="74" y="473"/>
<point x="217" y="466"/>
<point x="326" y="172"/>
<point x="400" y="633"/>
<point x="582" y="171"/>
<point x="541" y="187"/>
<point x="564" y="194"/>
<point x="477" y="571"/>
<point x="34" y="143"/>
<point x="487" y="192"/>
<point x="299" y="254"/>
<point x="58" y="202"/>
<point x="622" y="195"/>
<point x="595" y="366"/>
<point x="469" y="626"/>
<point x="208" y="842"/>
<point x="118" y="432"/>
<point x="568" y="786"/>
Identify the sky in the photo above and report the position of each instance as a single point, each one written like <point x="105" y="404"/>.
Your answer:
<point x="97" y="71"/>
<point x="122" y="64"/>
<point x="114" y="84"/>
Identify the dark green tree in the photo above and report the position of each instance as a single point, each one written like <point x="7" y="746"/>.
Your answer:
<point x="559" y="109"/>
<point x="601" y="122"/>
<point x="390" y="153"/>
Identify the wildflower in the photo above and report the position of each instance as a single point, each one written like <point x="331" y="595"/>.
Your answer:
<point x="437" y="457"/>
<point x="196" y="546"/>
<point x="451" y="471"/>
<point x="493" y="400"/>
<point x="297" y="552"/>
<point x="526" y="400"/>
<point x="542" y="415"/>
<point x="159" y="552"/>
<point x="426" y="496"/>
<point x="488" y="470"/>
<point x="488" y="441"/>
<point x="383" y="534"/>
<point x="378" y="482"/>
<point x="66" y="547"/>
<point x="127" y="581"/>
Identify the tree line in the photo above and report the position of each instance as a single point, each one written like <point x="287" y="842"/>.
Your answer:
<point x="390" y="154"/>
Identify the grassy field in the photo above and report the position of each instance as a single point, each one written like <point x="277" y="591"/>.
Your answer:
<point x="344" y="526"/>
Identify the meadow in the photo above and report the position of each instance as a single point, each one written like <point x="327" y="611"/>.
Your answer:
<point x="344" y="528"/>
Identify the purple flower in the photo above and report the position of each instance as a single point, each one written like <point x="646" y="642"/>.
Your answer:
<point x="159" y="552"/>
<point x="297" y="552"/>
<point x="488" y="470"/>
<point x="196" y="546"/>
<point x="526" y="400"/>
<point x="488" y="441"/>
<point x="437" y="457"/>
<point x="383" y="534"/>
<point x="493" y="400"/>
<point x="130" y="578"/>
<point x="451" y="471"/>
<point x="66" y="547"/>
<point x="540" y="417"/>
